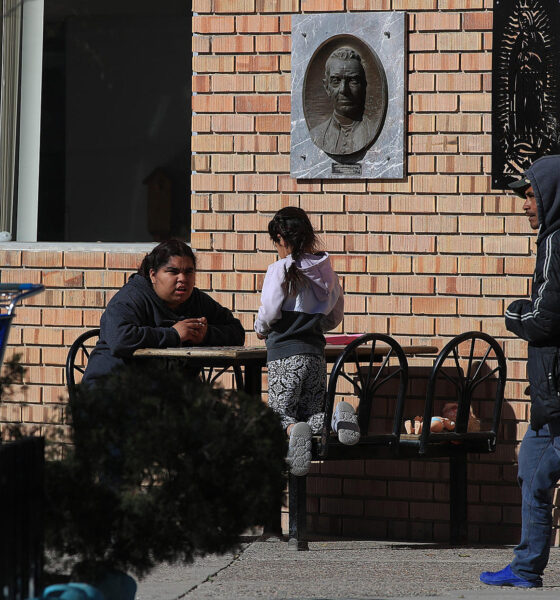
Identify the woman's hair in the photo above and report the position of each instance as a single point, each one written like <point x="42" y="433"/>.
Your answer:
<point x="161" y="254"/>
<point x="293" y="225"/>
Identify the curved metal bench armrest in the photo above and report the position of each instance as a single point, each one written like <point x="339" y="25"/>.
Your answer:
<point x="79" y="344"/>
<point x="467" y="383"/>
<point x="347" y="355"/>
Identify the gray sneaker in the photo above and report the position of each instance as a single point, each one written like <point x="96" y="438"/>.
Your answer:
<point x="345" y="424"/>
<point x="299" y="449"/>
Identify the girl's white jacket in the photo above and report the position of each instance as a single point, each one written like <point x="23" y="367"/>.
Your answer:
<point x="295" y="324"/>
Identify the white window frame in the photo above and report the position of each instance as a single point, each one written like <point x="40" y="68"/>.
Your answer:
<point x="21" y="56"/>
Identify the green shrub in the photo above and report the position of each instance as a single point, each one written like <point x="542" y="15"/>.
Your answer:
<point x="162" y="468"/>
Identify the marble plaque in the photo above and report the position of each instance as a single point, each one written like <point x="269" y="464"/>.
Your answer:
<point x="348" y="96"/>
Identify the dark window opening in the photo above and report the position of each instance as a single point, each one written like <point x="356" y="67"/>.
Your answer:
<point x="115" y="121"/>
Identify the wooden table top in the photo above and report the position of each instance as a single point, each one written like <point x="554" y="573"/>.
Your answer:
<point x="259" y="352"/>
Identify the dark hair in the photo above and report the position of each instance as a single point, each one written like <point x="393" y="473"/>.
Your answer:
<point x="161" y="254"/>
<point x="293" y="225"/>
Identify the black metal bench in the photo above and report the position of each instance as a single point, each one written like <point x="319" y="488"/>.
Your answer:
<point x="465" y="363"/>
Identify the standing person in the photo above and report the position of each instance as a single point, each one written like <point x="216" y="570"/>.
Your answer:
<point x="538" y="321"/>
<point x="301" y="299"/>
<point x="160" y="307"/>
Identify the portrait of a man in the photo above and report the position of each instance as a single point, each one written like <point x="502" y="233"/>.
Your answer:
<point x="348" y="130"/>
<point x="344" y="71"/>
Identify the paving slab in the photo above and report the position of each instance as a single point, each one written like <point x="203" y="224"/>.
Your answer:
<point x="345" y="570"/>
<point x="172" y="581"/>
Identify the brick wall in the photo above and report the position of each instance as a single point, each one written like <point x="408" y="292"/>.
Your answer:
<point x="422" y="259"/>
<point x="425" y="258"/>
<point x="78" y="285"/>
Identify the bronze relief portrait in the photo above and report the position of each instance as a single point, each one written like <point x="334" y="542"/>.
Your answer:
<point x="344" y="96"/>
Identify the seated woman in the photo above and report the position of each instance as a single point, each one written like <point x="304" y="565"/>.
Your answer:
<point x="160" y="307"/>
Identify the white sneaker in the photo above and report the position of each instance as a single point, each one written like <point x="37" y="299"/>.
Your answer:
<point x="345" y="424"/>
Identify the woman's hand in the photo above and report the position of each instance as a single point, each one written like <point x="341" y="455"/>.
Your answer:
<point x="261" y="337"/>
<point x="192" y="330"/>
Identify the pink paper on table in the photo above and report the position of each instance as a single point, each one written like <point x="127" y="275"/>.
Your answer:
<point x="342" y="340"/>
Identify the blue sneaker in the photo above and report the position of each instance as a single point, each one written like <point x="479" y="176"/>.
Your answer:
<point x="507" y="577"/>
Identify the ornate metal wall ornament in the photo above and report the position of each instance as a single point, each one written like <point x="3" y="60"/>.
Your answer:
<point x="525" y="83"/>
<point x="348" y="96"/>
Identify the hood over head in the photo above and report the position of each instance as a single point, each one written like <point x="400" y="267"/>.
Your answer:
<point x="544" y="175"/>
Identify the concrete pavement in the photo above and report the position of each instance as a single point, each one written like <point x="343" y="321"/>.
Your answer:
<point x="344" y="570"/>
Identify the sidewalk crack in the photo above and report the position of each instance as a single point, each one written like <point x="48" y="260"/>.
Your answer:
<point x="213" y="576"/>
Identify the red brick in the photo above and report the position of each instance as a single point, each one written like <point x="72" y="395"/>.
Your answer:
<point x="63" y="278"/>
<point x="412" y="285"/>
<point x="10" y="258"/>
<point x="237" y="82"/>
<point x="389" y="264"/>
<point x="434" y="306"/>
<point x="129" y="260"/>
<point x="234" y="241"/>
<point x="233" y="123"/>
<point x="207" y="182"/>
<point x="480" y="306"/>
<point x="259" y="63"/>
<point x="213" y="24"/>
<point x="42" y="259"/>
<point x="212" y="104"/>
<point x="257" y="24"/>
<point x="477" y="21"/>
<point x="367" y="5"/>
<point x="413" y="243"/>
<point x="233" y="203"/>
<point x="437" y="21"/>
<point x="201" y="123"/>
<point x="62" y="316"/>
<point x="256" y="183"/>
<point x="367" y="243"/>
<point x="390" y="305"/>
<point x="273" y="43"/>
<point x="256" y="104"/>
<point x="218" y="63"/>
<point x="272" y="123"/>
<point x="368" y="284"/>
<point x="212" y="221"/>
<point x="84" y="298"/>
<point x="436" y="62"/>
<point x="255" y="143"/>
<point x="435" y="264"/>
<point x="200" y="44"/>
<point x="20" y="276"/>
<point x="272" y="82"/>
<point x="458" y="286"/>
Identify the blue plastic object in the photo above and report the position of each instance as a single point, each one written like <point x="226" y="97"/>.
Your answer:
<point x="10" y="295"/>
<point x="72" y="591"/>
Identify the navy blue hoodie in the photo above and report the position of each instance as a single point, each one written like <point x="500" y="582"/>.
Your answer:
<point x="136" y="317"/>
<point x="538" y="320"/>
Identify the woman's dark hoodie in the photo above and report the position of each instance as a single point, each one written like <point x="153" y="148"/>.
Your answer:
<point x="136" y="317"/>
<point x="538" y="320"/>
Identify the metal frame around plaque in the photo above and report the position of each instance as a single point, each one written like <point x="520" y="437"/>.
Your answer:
<point x="525" y="86"/>
<point x="348" y="96"/>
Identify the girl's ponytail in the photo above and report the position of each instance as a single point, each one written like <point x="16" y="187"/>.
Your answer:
<point x="293" y="225"/>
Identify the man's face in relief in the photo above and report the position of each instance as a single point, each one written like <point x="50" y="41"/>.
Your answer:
<point x="345" y="84"/>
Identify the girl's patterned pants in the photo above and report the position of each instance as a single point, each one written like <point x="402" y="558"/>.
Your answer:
<point x="297" y="388"/>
